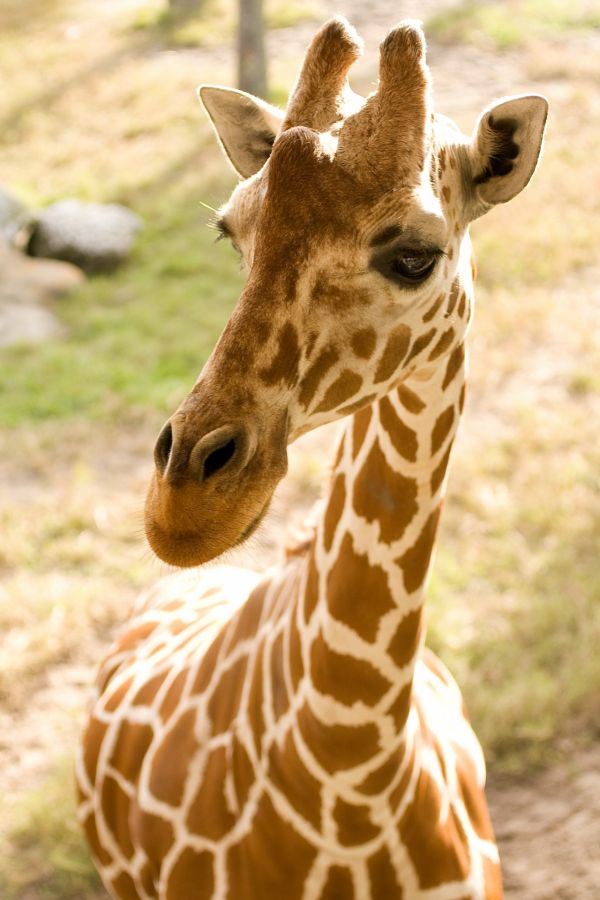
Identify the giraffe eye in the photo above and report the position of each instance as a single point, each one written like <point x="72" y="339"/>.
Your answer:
<point x="407" y="266"/>
<point x="413" y="267"/>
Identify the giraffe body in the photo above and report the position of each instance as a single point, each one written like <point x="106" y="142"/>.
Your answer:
<point x="290" y="736"/>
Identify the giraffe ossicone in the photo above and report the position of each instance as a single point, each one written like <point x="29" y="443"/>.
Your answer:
<point x="289" y="735"/>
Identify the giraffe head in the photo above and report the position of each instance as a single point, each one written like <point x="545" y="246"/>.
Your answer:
<point x="351" y="219"/>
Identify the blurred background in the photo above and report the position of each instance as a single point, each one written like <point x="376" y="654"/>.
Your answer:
<point x="98" y="106"/>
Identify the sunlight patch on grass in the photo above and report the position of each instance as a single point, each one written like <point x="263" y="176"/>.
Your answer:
<point x="505" y="24"/>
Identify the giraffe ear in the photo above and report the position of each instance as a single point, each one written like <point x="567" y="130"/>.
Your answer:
<point x="505" y="147"/>
<point x="246" y="126"/>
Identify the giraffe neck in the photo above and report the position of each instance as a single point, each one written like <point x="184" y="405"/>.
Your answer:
<point x="361" y="615"/>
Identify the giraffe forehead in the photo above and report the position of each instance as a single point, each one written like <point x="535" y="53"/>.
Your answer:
<point x="308" y="192"/>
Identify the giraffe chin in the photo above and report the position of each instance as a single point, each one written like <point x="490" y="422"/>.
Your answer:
<point x="201" y="543"/>
<point x="251" y="528"/>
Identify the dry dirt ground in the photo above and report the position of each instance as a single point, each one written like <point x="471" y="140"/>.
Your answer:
<point x="548" y="828"/>
<point x="548" y="824"/>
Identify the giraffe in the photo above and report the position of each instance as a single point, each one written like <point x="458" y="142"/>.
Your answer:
<point x="289" y="735"/>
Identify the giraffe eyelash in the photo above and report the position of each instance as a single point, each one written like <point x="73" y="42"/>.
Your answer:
<point x="216" y="224"/>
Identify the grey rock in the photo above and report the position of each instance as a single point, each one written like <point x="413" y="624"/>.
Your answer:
<point x="27" y="287"/>
<point x="24" y="324"/>
<point x="16" y="220"/>
<point x="95" y="236"/>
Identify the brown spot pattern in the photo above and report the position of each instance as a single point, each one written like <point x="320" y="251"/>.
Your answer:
<point x="405" y="640"/>
<point x="345" y="386"/>
<point x="244" y="624"/>
<point x="383" y="495"/>
<point x="415" y="561"/>
<point x="381" y="778"/>
<point x="420" y="344"/>
<point x="354" y="824"/>
<point x="473" y="796"/>
<point x="255" y="701"/>
<point x="433" y="309"/>
<point x="335" y="506"/>
<point x="403" y="438"/>
<point x="117" y="695"/>
<point x="311" y="592"/>
<point x="353" y="576"/>
<point x="209" y="814"/>
<point x="393" y="353"/>
<point x="443" y="344"/>
<point x="208" y="664"/>
<point x="410" y="401"/>
<point x="280" y="697"/>
<point x="339" y="885"/>
<point x="124" y="887"/>
<point x="400" y="707"/>
<point x="441" y="429"/>
<point x="439" y="851"/>
<point x="337" y="747"/>
<point x="493" y="880"/>
<point x="295" y="656"/>
<point x="360" y="426"/>
<point x="93" y="839"/>
<point x="170" y="766"/>
<point x="243" y="772"/>
<point x="310" y="343"/>
<point x="288" y="774"/>
<point x="224" y="704"/>
<point x="154" y="835"/>
<point x="352" y="408"/>
<point x="315" y="374"/>
<point x="115" y="809"/>
<point x="92" y="744"/>
<point x="172" y="696"/>
<point x="193" y="867"/>
<point x="284" y="366"/>
<point x="148" y="881"/>
<point x="440" y="470"/>
<point x="344" y="677"/>
<point x="382" y="876"/>
<point x="454" y="364"/>
<point x="147" y="693"/>
<point x="255" y="870"/>
<point x="363" y="342"/>
<point x="130" y="747"/>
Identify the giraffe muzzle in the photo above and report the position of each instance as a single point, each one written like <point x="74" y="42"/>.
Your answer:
<point x="209" y="493"/>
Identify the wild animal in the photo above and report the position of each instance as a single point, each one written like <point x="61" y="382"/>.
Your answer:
<point x="290" y="735"/>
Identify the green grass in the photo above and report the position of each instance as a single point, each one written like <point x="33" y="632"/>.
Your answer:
<point x="524" y="650"/>
<point x="507" y="24"/>
<point x="137" y="339"/>
<point x="47" y="858"/>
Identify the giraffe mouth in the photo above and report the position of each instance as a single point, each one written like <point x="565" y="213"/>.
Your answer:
<point x="185" y="527"/>
<point x="251" y="528"/>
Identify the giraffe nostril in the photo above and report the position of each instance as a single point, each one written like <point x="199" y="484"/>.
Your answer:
<point x="224" y="450"/>
<point x="218" y="458"/>
<point x="164" y="445"/>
